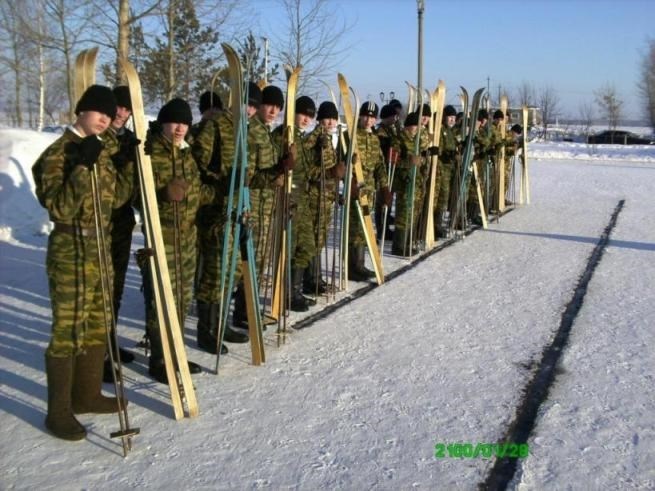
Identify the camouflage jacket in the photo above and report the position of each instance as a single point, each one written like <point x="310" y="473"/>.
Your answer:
<point x="386" y="135"/>
<point x="263" y="155"/>
<point x="482" y="143"/>
<point x="372" y="161"/>
<point x="449" y="147"/>
<point x="169" y="161"/>
<point x="63" y="187"/>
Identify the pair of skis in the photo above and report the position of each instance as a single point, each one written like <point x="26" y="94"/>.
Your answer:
<point x="354" y="168"/>
<point x="437" y="101"/>
<point x="85" y="68"/>
<point x="500" y="165"/>
<point x="237" y="230"/>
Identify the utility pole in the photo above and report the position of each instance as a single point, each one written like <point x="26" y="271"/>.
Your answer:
<point x="265" y="60"/>
<point x="421" y="8"/>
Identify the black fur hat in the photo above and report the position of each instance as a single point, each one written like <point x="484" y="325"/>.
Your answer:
<point x="498" y="114"/>
<point x="176" y="111"/>
<point x="449" y="111"/>
<point x="387" y="111"/>
<point x="208" y="100"/>
<point x="273" y="96"/>
<point x="483" y="114"/>
<point x="369" y="109"/>
<point x="254" y="94"/>
<point x="122" y="94"/>
<point x="97" y="98"/>
<point x="412" y="119"/>
<point x="305" y="105"/>
<point x="327" y="110"/>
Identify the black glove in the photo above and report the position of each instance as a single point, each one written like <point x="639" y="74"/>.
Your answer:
<point x="127" y="153"/>
<point x="89" y="148"/>
<point x="433" y="151"/>
<point x="288" y="160"/>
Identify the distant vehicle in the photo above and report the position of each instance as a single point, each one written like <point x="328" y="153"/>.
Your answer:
<point x="617" y="137"/>
<point x="54" y="129"/>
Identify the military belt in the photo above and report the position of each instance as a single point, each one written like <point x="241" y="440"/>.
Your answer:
<point x="67" y="228"/>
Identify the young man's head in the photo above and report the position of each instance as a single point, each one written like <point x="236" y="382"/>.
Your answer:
<point x="254" y="99"/>
<point x="396" y="106"/>
<point x="95" y="110"/>
<point x="449" y="116"/>
<point x="368" y="114"/>
<point x="328" y="116"/>
<point x="272" y="104"/>
<point x="483" y="117"/>
<point x="411" y="123"/>
<point x="388" y="115"/>
<point x="499" y="117"/>
<point x="305" y="111"/>
<point x="210" y="104"/>
<point x="176" y="118"/>
<point x="425" y="115"/>
<point x="123" y="106"/>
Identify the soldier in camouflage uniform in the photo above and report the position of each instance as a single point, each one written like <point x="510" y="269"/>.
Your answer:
<point x="180" y="192"/>
<point x="327" y="169"/>
<point x="213" y="149"/>
<point x="122" y="219"/>
<point x="512" y="143"/>
<point x="482" y="144"/>
<point x="303" y="242"/>
<point x="405" y="145"/>
<point x="496" y="143"/>
<point x="371" y="159"/>
<point x="81" y="310"/>
<point x="449" y="149"/>
<point x="267" y="165"/>
<point x="387" y="131"/>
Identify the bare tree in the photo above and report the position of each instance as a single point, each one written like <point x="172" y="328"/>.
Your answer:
<point x="12" y="54"/>
<point x="586" y="112"/>
<point x="646" y="84"/>
<point x="610" y="104"/>
<point x="549" y="103"/>
<point x="525" y="94"/>
<point x="312" y="37"/>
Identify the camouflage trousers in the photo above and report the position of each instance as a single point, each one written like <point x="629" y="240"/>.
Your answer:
<point x="182" y="291"/>
<point x="356" y="236"/>
<point x="402" y="185"/>
<point x="121" y="243"/>
<point x="323" y="208"/>
<point x="262" y="202"/>
<point x="445" y="175"/>
<point x="78" y="311"/>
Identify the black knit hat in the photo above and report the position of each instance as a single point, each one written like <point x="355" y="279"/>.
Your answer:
<point x="273" y="96"/>
<point x="412" y="119"/>
<point x="395" y="103"/>
<point x="97" y="98"/>
<point x="175" y="111"/>
<point x="305" y="105"/>
<point x="369" y="108"/>
<point x="208" y="100"/>
<point x="122" y="94"/>
<point x="517" y="128"/>
<point x="426" y="110"/>
<point x="498" y="114"/>
<point x="254" y="94"/>
<point x="449" y="111"/>
<point x="327" y="110"/>
<point x="387" y="111"/>
<point x="483" y="114"/>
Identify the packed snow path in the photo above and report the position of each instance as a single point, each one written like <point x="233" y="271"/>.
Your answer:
<point x="359" y="399"/>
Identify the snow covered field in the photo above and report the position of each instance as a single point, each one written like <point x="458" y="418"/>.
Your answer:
<point x="359" y="399"/>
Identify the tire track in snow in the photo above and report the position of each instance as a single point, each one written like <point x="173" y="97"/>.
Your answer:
<point x="536" y="391"/>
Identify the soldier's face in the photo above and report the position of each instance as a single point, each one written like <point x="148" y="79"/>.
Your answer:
<point x="366" y="122"/>
<point x="425" y="120"/>
<point x="302" y="121"/>
<point x="175" y="132"/>
<point x="411" y="130"/>
<point x="330" y="124"/>
<point x="93" y="122"/>
<point x="122" y="115"/>
<point x="268" y="113"/>
<point x="450" y="121"/>
<point x="251" y="111"/>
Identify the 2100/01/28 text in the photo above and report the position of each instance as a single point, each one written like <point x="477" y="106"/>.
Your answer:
<point x="484" y="450"/>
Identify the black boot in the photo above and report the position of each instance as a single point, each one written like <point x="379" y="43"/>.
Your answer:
<point x="60" y="419"/>
<point x="207" y="327"/>
<point x="87" y="376"/>
<point x="239" y="315"/>
<point x="157" y="369"/>
<point x="313" y="283"/>
<point x="298" y="303"/>
<point x="441" y="225"/>
<point x="357" y="270"/>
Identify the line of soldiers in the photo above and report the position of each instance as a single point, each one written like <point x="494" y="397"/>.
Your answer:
<point x="192" y="165"/>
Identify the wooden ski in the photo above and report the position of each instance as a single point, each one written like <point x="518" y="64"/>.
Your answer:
<point x="524" y="188"/>
<point x="362" y="204"/>
<point x="500" y="165"/>
<point x="278" y="302"/>
<point x="175" y="359"/>
<point x="85" y="71"/>
<point x="437" y="100"/>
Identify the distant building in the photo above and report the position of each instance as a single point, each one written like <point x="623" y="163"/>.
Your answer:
<point x="534" y="116"/>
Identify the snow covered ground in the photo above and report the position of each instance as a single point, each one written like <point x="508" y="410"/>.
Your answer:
<point x="360" y="398"/>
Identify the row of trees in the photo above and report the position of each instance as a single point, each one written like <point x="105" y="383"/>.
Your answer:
<point x="174" y="44"/>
